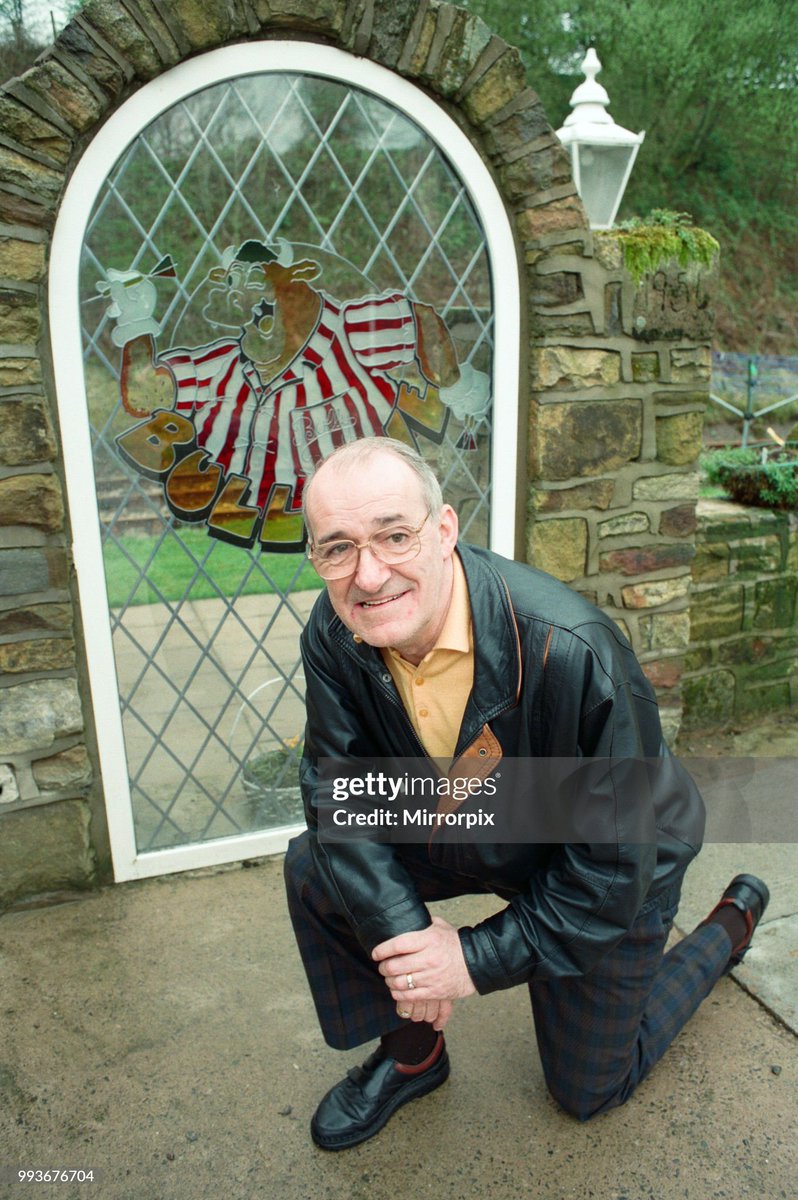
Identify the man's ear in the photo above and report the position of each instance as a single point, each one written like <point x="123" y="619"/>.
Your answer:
<point x="449" y="527"/>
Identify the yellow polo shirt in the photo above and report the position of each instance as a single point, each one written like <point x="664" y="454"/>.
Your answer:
<point x="436" y="691"/>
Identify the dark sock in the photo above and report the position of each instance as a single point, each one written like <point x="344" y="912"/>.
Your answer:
<point x="732" y="920"/>
<point x="411" y="1044"/>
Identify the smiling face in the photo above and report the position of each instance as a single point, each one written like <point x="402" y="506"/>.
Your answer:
<point x="402" y="605"/>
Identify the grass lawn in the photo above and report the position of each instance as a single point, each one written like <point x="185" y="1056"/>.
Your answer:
<point x="172" y="567"/>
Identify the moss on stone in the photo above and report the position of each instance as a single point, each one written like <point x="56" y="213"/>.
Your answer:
<point x="649" y="242"/>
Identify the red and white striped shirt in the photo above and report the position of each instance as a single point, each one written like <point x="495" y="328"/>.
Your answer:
<point x="335" y="390"/>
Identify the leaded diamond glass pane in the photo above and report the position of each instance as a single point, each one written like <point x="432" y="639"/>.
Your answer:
<point x="229" y="199"/>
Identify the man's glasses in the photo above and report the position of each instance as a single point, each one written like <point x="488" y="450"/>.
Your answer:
<point x="397" y="544"/>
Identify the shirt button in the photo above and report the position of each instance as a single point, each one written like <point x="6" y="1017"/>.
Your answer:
<point x="419" y="681"/>
<point x="423" y="712"/>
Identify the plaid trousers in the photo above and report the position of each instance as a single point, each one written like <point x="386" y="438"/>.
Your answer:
<point x="598" y="1034"/>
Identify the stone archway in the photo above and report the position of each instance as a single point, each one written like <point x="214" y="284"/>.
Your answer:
<point x="584" y="344"/>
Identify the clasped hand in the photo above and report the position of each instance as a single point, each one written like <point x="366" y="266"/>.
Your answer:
<point x="432" y="959"/>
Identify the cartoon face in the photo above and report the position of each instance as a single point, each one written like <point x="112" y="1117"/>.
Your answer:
<point x="235" y="293"/>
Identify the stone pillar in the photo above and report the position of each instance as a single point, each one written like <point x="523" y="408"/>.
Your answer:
<point x="620" y="383"/>
<point x="42" y="751"/>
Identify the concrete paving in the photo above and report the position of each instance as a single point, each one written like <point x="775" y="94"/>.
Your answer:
<point x="161" y="1033"/>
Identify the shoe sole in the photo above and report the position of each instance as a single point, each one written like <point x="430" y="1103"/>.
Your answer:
<point x="428" y="1082"/>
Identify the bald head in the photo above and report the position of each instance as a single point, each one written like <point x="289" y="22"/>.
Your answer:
<point x="350" y="459"/>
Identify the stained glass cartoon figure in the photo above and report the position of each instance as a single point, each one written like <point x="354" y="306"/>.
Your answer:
<point x="233" y="427"/>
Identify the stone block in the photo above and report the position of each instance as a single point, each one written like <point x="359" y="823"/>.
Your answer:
<point x="675" y="303"/>
<point x="101" y="68"/>
<point x="19" y="372"/>
<point x="562" y="325"/>
<point x="321" y="16"/>
<point x="390" y="33"/>
<point x="43" y="183"/>
<point x="585" y="438"/>
<point x="112" y="20"/>
<point x="645" y="560"/>
<point x="20" y="259"/>
<point x="645" y="367"/>
<point x="496" y="88"/>
<point x="774" y="603"/>
<point x="559" y="546"/>
<point x="757" y="556"/>
<point x="570" y="367"/>
<point x="31" y="500"/>
<point x="19" y="207"/>
<point x="26" y="435"/>
<point x="538" y="171"/>
<point x="665" y="631"/>
<point x="35" y="618"/>
<point x="596" y="494"/>
<point x="67" y="96"/>
<point x="506" y="138"/>
<point x="557" y="288"/>
<point x="709" y="699"/>
<point x="45" y="849"/>
<point x="555" y="216"/>
<point x="203" y="24"/>
<point x="33" y="715"/>
<point x="608" y="251"/>
<point x="32" y="569"/>
<point x="667" y="487"/>
<point x="69" y="769"/>
<point x="716" y="612"/>
<point x="635" y="522"/>
<point x="613" y="325"/>
<point x="664" y="672"/>
<point x="679" y="438"/>
<point x="679" y="521"/>
<point x="20" y="318"/>
<point x="712" y="561"/>
<point x="460" y="51"/>
<point x="28" y="129"/>
<point x="38" y="654"/>
<point x="419" y="43"/>
<point x="655" y="593"/>
<point x="691" y="364"/>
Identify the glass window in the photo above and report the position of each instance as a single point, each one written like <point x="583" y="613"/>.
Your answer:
<point x="276" y="264"/>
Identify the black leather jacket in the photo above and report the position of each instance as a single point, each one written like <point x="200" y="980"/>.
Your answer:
<point x="553" y="677"/>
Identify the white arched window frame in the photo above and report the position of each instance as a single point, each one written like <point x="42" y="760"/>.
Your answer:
<point x="253" y="58"/>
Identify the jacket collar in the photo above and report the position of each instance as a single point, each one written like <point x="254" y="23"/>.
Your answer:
<point x="497" y="652"/>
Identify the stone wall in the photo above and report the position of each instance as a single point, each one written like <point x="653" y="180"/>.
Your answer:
<point x="743" y="656"/>
<point x="613" y="377"/>
<point x="620" y="385"/>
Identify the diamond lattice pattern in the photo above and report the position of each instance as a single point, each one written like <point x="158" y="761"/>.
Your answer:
<point x="205" y="633"/>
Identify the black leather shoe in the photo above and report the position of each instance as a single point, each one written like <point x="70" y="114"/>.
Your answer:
<point x="358" y="1107"/>
<point x="750" y="895"/>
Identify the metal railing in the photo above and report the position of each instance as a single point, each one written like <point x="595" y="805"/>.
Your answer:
<point x="752" y="375"/>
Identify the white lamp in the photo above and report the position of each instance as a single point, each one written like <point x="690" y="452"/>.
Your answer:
<point x="602" y="153"/>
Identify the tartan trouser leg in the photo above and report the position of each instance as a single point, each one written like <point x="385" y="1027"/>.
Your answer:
<point x="600" y="1034"/>
<point x="352" y="1002"/>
